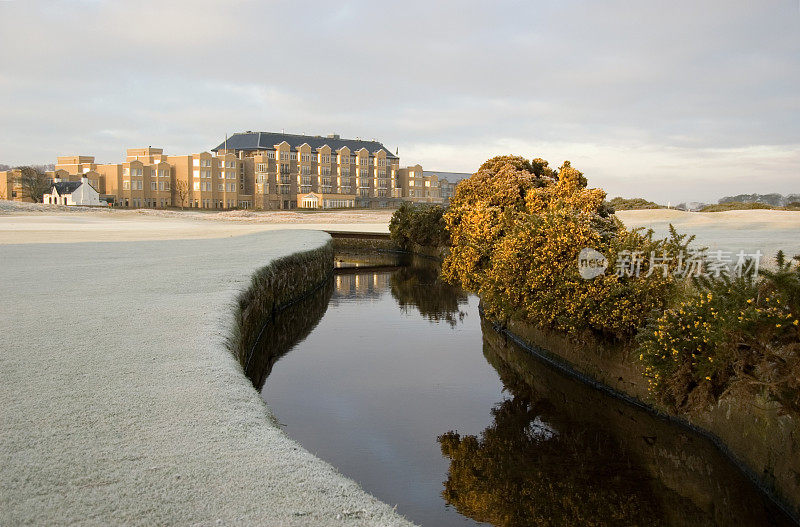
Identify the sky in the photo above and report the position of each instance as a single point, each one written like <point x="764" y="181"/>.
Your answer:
<point x="671" y="101"/>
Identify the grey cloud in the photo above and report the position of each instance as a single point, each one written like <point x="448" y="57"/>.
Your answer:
<point x="604" y="82"/>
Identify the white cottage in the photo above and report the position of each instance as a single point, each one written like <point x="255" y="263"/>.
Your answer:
<point x="72" y="193"/>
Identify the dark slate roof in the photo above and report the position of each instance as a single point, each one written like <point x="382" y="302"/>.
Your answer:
<point x="268" y="140"/>
<point x="452" y="177"/>
<point x="65" y="187"/>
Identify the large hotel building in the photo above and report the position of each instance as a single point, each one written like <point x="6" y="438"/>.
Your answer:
<point x="261" y="170"/>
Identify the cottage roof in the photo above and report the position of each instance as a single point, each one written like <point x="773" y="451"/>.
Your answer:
<point x="64" y="187"/>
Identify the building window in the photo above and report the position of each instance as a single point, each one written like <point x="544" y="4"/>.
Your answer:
<point x="153" y="185"/>
<point x="221" y="187"/>
<point x="271" y="155"/>
<point x="126" y="185"/>
<point x="306" y="170"/>
<point x="261" y="167"/>
<point x="197" y="185"/>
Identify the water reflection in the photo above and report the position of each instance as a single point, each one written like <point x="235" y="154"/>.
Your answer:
<point x="418" y="285"/>
<point x="561" y="453"/>
<point x="273" y="335"/>
<point x="386" y="359"/>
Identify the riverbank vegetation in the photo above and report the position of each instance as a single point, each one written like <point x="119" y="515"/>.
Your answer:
<point x="738" y="205"/>
<point x="516" y="228"/>
<point x="620" y="203"/>
<point x="272" y="289"/>
<point x="420" y="224"/>
<point x="736" y="335"/>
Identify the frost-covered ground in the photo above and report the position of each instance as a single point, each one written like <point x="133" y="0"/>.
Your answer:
<point x="36" y="223"/>
<point x="119" y="403"/>
<point x="241" y="216"/>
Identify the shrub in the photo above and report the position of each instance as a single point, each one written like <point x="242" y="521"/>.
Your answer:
<point x="734" y="334"/>
<point x="516" y="237"/>
<point x="421" y="224"/>
<point x="736" y="205"/>
<point x="619" y="203"/>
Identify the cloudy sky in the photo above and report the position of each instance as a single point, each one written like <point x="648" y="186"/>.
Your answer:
<point x="672" y="101"/>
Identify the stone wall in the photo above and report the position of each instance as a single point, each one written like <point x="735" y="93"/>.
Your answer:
<point x="752" y="433"/>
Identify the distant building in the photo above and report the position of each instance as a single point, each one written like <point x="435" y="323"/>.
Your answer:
<point x="691" y="206"/>
<point x="10" y="187"/>
<point x="286" y="168"/>
<point x="417" y="187"/>
<point x="447" y="183"/>
<point x="72" y="193"/>
<point x="261" y="170"/>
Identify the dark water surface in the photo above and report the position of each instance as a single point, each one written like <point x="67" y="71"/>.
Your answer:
<point x="387" y="374"/>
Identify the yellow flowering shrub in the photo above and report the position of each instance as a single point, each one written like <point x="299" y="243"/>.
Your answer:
<point x="734" y="334"/>
<point x="517" y="229"/>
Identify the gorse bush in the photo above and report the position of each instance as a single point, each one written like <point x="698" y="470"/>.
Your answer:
<point x="620" y="203"/>
<point x="734" y="205"/>
<point x="734" y="335"/>
<point x="421" y="224"/>
<point x="517" y="228"/>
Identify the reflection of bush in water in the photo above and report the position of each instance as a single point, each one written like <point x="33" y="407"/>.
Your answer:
<point x="520" y="472"/>
<point x="420" y="285"/>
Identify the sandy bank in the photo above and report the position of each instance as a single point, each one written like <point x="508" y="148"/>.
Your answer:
<point x="747" y="230"/>
<point x="120" y="405"/>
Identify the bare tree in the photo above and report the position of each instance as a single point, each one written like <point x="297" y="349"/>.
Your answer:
<point x="33" y="182"/>
<point x="182" y="192"/>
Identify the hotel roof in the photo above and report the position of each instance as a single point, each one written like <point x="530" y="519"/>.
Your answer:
<point x="451" y="177"/>
<point x="268" y="140"/>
